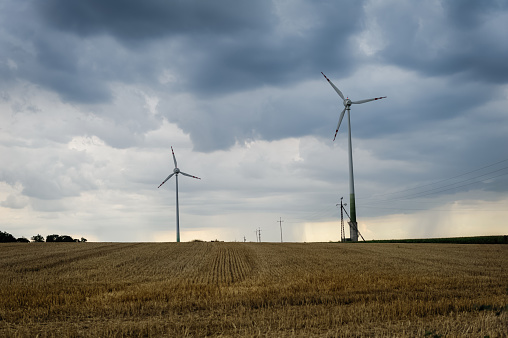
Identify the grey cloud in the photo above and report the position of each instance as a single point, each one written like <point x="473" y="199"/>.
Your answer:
<point x="471" y="14"/>
<point x="123" y="123"/>
<point x="49" y="177"/>
<point x="459" y="37"/>
<point x="424" y="107"/>
<point x="59" y="66"/>
<point x="51" y="59"/>
<point x="274" y="57"/>
<point x="79" y="50"/>
<point x="269" y="114"/>
<point x="14" y="202"/>
<point x="216" y="48"/>
<point x="78" y="69"/>
<point x="134" y="20"/>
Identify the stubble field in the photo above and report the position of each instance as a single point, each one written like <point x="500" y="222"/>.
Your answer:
<point x="253" y="289"/>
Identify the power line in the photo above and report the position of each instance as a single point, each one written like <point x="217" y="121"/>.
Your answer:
<point x="428" y="192"/>
<point x="448" y="187"/>
<point x="444" y="180"/>
<point x="425" y="209"/>
<point x="444" y="187"/>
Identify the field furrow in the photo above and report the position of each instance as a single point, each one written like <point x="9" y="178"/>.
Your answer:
<point x="227" y="264"/>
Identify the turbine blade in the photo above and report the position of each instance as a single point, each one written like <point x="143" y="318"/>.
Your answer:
<point x="340" y="120"/>
<point x="174" y="158"/>
<point x="368" y="100"/>
<point x="184" y="174"/>
<point x="166" y="180"/>
<point x="336" y="89"/>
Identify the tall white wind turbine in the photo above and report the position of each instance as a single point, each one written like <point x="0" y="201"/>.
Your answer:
<point x="353" y="226"/>
<point x="175" y="173"/>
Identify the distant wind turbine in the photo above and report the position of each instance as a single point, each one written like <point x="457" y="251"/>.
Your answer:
<point x="175" y="173"/>
<point x="353" y="226"/>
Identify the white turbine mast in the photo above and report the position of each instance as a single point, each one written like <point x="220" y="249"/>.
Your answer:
<point x="175" y="173"/>
<point x="353" y="226"/>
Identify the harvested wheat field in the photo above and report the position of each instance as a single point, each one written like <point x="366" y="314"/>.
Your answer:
<point x="253" y="289"/>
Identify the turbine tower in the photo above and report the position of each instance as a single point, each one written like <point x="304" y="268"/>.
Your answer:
<point x="177" y="171"/>
<point x="353" y="226"/>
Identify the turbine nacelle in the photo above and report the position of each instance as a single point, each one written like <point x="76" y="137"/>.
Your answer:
<point x="347" y="102"/>
<point x="176" y="171"/>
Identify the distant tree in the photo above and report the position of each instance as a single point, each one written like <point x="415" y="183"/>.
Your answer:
<point x="38" y="238"/>
<point x="65" y="238"/>
<point x="6" y="237"/>
<point x="83" y="239"/>
<point x="51" y="238"/>
<point x="22" y="240"/>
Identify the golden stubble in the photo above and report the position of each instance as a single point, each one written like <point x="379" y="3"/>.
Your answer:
<point x="253" y="289"/>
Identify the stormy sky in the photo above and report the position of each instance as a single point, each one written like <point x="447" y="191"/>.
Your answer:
<point x="93" y="94"/>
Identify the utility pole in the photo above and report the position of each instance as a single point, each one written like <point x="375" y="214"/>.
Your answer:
<point x="280" y="223"/>
<point x="244" y="239"/>
<point x="259" y="234"/>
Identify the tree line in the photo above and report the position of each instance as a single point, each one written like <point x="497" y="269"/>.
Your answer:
<point x="6" y="237"/>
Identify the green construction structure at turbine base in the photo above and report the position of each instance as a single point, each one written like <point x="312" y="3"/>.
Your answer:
<point x="353" y="226"/>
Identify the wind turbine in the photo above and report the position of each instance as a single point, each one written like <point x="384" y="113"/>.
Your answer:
<point x="175" y="173"/>
<point x="353" y="227"/>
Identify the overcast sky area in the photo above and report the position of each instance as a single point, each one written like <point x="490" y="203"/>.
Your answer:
<point x="94" y="93"/>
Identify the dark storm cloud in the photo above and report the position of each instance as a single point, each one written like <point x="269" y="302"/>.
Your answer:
<point x="54" y="60"/>
<point x="135" y="20"/>
<point x="276" y="56"/>
<point x="426" y="108"/>
<point x="447" y="38"/>
<point x="59" y="66"/>
<point x="214" y="50"/>
<point x="469" y="14"/>
<point x="77" y="49"/>
<point x="222" y="46"/>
